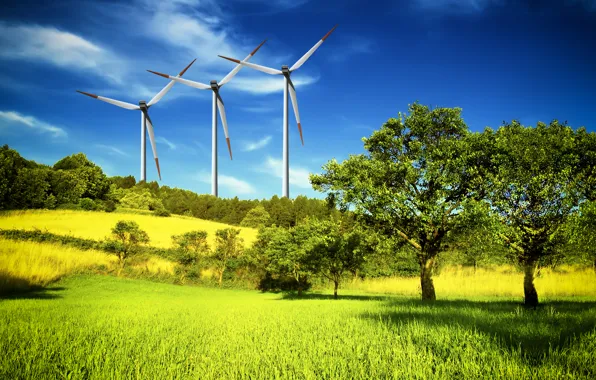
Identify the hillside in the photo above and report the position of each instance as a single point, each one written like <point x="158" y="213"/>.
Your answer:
<point x="97" y="225"/>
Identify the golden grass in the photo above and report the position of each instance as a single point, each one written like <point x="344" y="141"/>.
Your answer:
<point x="27" y="264"/>
<point x="97" y="225"/>
<point x="502" y="281"/>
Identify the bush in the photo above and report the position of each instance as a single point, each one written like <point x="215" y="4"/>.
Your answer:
<point x="87" y="204"/>
<point x="161" y="212"/>
<point x="109" y="206"/>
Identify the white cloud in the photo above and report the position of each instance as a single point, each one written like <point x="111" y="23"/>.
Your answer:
<point x="112" y="150"/>
<point x="298" y="175"/>
<point x="249" y="146"/>
<point x="353" y="45"/>
<point x="12" y="117"/>
<point x="267" y="85"/>
<point x="163" y="140"/>
<point x="60" y="48"/>
<point x="259" y="109"/>
<point x="232" y="183"/>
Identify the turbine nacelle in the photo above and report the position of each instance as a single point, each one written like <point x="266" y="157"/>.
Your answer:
<point x="143" y="105"/>
<point x="285" y="70"/>
<point x="214" y="85"/>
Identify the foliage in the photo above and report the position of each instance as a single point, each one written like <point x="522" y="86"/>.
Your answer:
<point x="109" y="206"/>
<point x="161" y="212"/>
<point x="582" y="234"/>
<point x="192" y="246"/>
<point x="417" y="179"/>
<point x="256" y="218"/>
<point x="123" y="182"/>
<point x="141" y="199"/>
<point x="228" y="246"/>
<point x="534" y="190"/>
<point x="87" y="204"/>
<point x="128" y="236"/>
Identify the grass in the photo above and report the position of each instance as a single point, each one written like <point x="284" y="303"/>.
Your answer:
<point x="97" y="225"/>
<point x="28" y="265"/>
<point x="100" y="327"/>
<point x="502" y="281"/>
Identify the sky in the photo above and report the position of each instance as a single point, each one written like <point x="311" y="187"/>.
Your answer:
<point x="498" y="60"/>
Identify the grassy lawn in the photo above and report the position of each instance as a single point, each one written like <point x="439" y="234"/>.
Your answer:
<point x="97" y="225"/>
<point x="107" y="327"/>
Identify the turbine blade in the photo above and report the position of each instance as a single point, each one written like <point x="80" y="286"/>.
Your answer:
<point x="199" y="85"/>
<point x="301" y="61"/>
<point x="167" y="88"/>
<point x="224" y="121"/>
<point x="264" y="69"/>
<point x="118" y="103"/>
<point x="152" y="139"/>
<point x="236" y="69"/>
<point x="295" y="106"/>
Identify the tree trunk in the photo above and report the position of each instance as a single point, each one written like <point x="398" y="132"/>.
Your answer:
<point x="475" y="265"/>
<point x="426" y="280"/>
<point x="299" y="286"/>
<point x="220" y="277"/>
<point x="335" y="288"/>
<point x="594" y="265"/>
<point x="530" y="294"/>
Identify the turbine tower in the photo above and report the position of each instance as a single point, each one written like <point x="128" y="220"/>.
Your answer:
<point x="217" y="103"/>
<point x="146" y="123"/>
<point x="288" y="87"/>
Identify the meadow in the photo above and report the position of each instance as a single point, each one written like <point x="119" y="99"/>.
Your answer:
<point x="97" y="225"/>
<point x="100" y="327"/>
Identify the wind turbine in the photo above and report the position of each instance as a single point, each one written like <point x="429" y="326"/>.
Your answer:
<point x="288" y="87"/>
<point x="217" y="103"/>
<point x="146" y="123"/>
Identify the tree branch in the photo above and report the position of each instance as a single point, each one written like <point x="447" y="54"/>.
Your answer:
<point x="406" y="238"/>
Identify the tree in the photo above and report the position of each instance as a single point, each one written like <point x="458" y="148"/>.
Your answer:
<point x="228" y="246"/>
<point x="192" y="246"/>
<point x="10" y="164"/>
<point x="416" y="180"/>
<point x="534" y="191"/>
<point x="256" y="218"/>
<point x="30" y="188"/>
<point x="128" y="236"/>
<point x="96" y="183"/>
<point x="334" y="249"/>
<point x="288" y="254"/>
<point x="141" y="199"/>
<point x="67" y="187"/>
<point x="123" y="182"/>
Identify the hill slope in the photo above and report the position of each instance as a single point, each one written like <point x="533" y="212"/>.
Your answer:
<point x="97" y="225"/>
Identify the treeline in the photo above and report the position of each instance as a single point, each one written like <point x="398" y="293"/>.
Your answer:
<point x="75" y="182"/>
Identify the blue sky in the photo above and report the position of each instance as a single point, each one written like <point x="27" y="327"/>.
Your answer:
<point x="497" y="59"/>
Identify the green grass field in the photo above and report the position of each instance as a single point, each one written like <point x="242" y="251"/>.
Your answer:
<point x="97" y="225"/>
<point x="99" y="327"/>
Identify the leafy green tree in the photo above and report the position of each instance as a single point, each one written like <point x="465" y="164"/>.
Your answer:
<point x="10" y="164"/>
<point x="67" y="186"/>
<point x="288" y="254"/>
<point x="334" y="249"/>
<point x="228" y="246"/>
<point x="95" y="181"/>
<point x="123" y="182"/>
<point x="581" y="232"/>
<point x="192" y="245"/>
<point x="415" y="181"/>
<point x="257" y="217"/>
<point x="128" y="236"/>
<point x="30" y="188"/>
<point x="141" y="199"/>
<point x="534" y="191"/>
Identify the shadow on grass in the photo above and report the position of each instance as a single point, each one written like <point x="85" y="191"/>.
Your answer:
<point x="532" y="332"/>
<point x="18" y="288"/>
<point x="315" y="296"/>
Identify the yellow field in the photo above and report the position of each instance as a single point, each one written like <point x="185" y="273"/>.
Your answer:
<point x="97" y="225"/>
<point x="27" y="264"/>
<point x="503" y="281"/>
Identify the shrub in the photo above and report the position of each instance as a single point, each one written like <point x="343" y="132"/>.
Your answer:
<point x="87" y="204"/>
<point x="161" y="212"/>
<point x="109" y="206"/>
